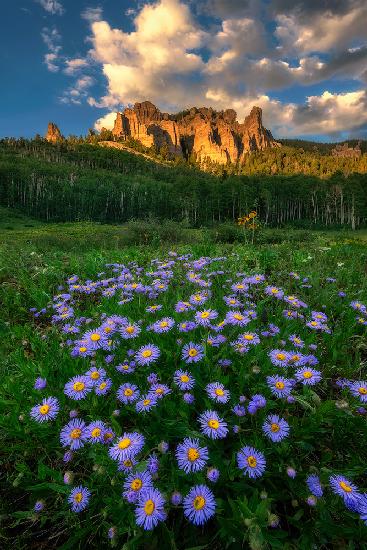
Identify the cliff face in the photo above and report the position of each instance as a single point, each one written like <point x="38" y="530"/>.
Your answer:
<point x="210" y="135"/>
<point x="53" y="133"/>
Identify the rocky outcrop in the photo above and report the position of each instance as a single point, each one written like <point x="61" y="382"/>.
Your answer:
<point x="53" y="133"/>
<point x="204" y="132"/>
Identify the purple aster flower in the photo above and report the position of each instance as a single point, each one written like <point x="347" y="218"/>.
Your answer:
<point x="153" y="308"/>
<point x="183" y="379"/>
<point x="103" y="386"/>
<point x="94" y="339"/>
<point x="129" y="330"/>
<point x="146" y="403"/>
<point x="188" y="398"/>
<point x="126" y="367"/>
<point x="236" y="318"/>
<point x="308" y="376"/>
<point x="135" y="483"/>
<point x="159" y="390"/>
<point x="79" y="498"/>
<point x="95" y="432"/>
<point x="190" y="456"/>
<point x="274" y="291"/>
<point x="111" y="533"/>
<point x="205" y="317"/>
<point x="359" y="389"/>
<point x="147" y="354"/>
<point x="256" y="402"/>
<point x="232" y="301"/>
<point x="74" y="434"/>
<point x="45" y="411"/>
<point x="127" y="446"/>
<point x="39" y="506"/>
<point x="78" y="387"/>
<point x="95" y="375"/>
<point x="128" y="393"/>
<point x="153" y="463"/>
<point x="280" y="386"/>
<point x="296" y="341"/>
<point x="192" y="353"/>
<point x="224" y="362"/>
<point x="314" y="484"/>
<point x="217" y="392"/>
<point x="275" y="428"/>
<point x="68" y="456"/>
<point x="150" y="509"/>
<point x="68" y="478"/>
<point x="291" y="472"/>
<point x="199" y="505"/>
<point x="164" y="325"/>
<point x="40" y="383"/>
<point x="212" y="474"/>
<point x="348" y="491"/>
<point x="126" y="466"/>
<point x="187" y="326"/>
<point x="251" y="461"/>
<point x="239" y="410"/>
<point x="212" y="425"/>
<point x="180" y="307"/>
<point x="176" y="498"/>
<point x="153" y="378"/>
<point x="311" y="500"/>
<point x="358" y="306"/>
<point x="279" y="357"/>
<point x="163" y="447"/>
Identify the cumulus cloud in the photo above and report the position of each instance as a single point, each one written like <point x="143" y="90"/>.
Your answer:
<point x="92" y="14"/>
<point x="73" y="66"/>
<point x="106" y="121"/>
<point x="52" y="39"/>
<point x="79" y="91"/>
<point x="54" y="7"/>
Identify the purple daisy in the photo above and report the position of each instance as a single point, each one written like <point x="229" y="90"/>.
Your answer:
<point x="45" y="411"/>
<point x="217" y="392"/>
<point x="79" y="498"/>
<point x="127" y="446"/>
<point x="190" y="456"/>
<point x="199" y="505"/>
<point x="96" y="374"/>
<point x="308" y="376"/>
<point x="74" y="434"/>
<point x="159" y="390"/>
<point x="40" y="383"/>
<point x="146" y="403"/>
<point x="135" y="483"/>
<point x="251" y="461"/>
<point x="184" y="380"/>
<point x="103" y="386"/>
<point x="150" y="509"/>
<point x="236" y="318"/>
<point x="205" y="317"/>
<point x="95" y="432"/>
<point x="314" y="484"/>
<point x="359" y="389"/>
<point x="147" y="354"/>
<point x="279" y="357"/>
<point x="348" y="491"/>
<point x="213" y="474"/>
<point x="275" y="428"/>
<point x="280" y="386"/>
<point x="192" y="353"/>
<point x="212" y="425"/>
<point x="78" y="387"/>
<point x="163" y="325"/>
<point x="128" y="393"/>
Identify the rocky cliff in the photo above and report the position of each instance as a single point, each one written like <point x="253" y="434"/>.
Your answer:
<point x="53" y="133"/>
<point x="210" y="135"/>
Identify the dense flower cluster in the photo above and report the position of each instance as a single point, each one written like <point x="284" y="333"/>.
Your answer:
<point x="189" y="333"/>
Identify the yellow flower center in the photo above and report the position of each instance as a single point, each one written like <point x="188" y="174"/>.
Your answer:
<point x="185" y="378"/>
<point x="347" y="488"/>
<point x="193" y="352"/>
<point x="124" y="443"/>
<point x="249" y="337"/>
<point x="199" y="502"/>
<point x="149" y="507"/>
<point x="76" y="433"/>
<point x="219" y="391"/>
<point x="128" y="463"/>
<point x="103" y="385"/>
<point x="279" y="385"/>
<point x="128" y="392"/>
<point x="96" y="432"/>
<point x="275" y="427"/>
<point x="240" y="286"/>
<point x="159" y="391"/>
<point x="314" y="323"/>
<point x="95" y="375"/>
<point x="107" y="329"/>
<point x="274" y="290"/>
<point x="78" y="497"/>
<point x="193" y="454"/>
<point x="136" y="484"/>
<point x="295" y="358"/>
<point x="362" y="390"/>
<point x="125" y="367"/>
<point x="44" y="409"/>
<point x="251" y="461"/>
<point x="205" y="314"/>
<point x="307" y="374"/>
<point x="238" y="316"/>
<point x="280" y="356"/>
<point x="296" y="340"/>
<point x="163" y="324"/>
<point x="129" y="329"/>
<point x="95" y="337"/>
<point x="146" y="402"/>
<point x="147" y="353"/>
<point x="107" y="436"/>
<point x="82" y="349"/>
<point x="213" y="423"/>
<point x="79" y="386"/>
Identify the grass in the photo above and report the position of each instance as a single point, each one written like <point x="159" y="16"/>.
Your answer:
<point x="35" y="258"/>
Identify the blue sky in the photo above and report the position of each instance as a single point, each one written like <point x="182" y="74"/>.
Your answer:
<point x="77" y="62"/>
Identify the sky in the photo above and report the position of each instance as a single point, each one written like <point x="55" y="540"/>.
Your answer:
<point x="78" y="62"/>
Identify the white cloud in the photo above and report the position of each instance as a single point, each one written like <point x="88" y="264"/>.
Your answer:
<point x="54" y="7"/>
<point x="79" y="91"/>
<point x="106" y="121"/>
<point x="74" y="65"/>
<point x="92" y="14"/>
<point x="52" y="39"/>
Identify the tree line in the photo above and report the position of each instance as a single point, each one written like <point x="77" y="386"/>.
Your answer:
<point x="69" y="182"/>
